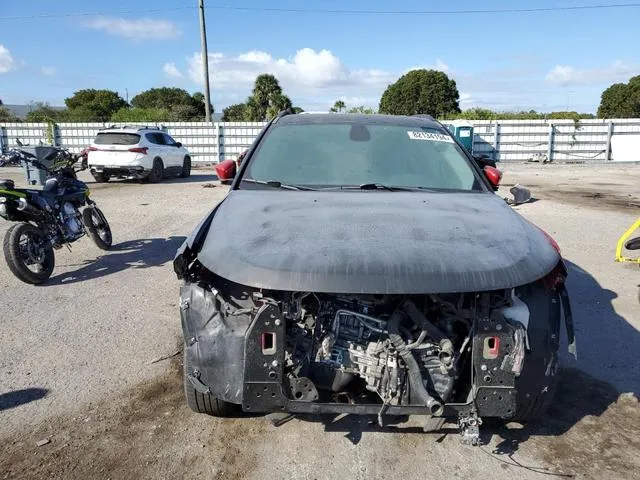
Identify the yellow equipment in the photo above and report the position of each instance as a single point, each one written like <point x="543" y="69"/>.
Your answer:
<point x="633" y="244"/>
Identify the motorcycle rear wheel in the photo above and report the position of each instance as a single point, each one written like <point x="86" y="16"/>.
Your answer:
<point x="28" y="253"/>
<point x="97" y="227"/>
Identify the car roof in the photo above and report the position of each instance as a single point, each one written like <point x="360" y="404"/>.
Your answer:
<point x="130" y="129"/>
<point x="374" y="119"/>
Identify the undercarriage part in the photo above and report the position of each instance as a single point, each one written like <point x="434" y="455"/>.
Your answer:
<point x="469" y="425"/>
<point x="303" y="389"/>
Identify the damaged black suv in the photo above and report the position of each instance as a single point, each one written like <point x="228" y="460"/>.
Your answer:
<point x="363" y="264"/>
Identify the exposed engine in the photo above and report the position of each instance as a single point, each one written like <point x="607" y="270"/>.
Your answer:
<point x="406" y="350"/>
<point x="71" y="219"/>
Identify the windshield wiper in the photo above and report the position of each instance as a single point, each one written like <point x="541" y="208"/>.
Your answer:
<point x="276" y="184"/>
<point x="376" y="186"/>
<point x="382" y="186"/>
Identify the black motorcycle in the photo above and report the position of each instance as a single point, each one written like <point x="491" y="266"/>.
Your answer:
<point x="51" y="217"/>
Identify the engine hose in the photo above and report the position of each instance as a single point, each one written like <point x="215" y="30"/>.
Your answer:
<point x="415" y="376"/>
<point x="420" y="320"/>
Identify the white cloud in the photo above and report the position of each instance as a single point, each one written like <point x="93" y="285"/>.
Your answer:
<point x="307" y="71"/>
<point x="143" y="28"/>
<point x="440" y="65"/>
<point x="171" y="70"/>
<point x="465" y="99"/>
<point x="48" y="70"/>
<point x="565" y="75"/>
<point x="6" y="60"/>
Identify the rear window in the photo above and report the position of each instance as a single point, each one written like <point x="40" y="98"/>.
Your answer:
<point x="116" y="138"/>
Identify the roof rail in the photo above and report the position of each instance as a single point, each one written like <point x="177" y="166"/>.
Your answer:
<point x="424" y="115"/>
<point x="285" y="112"/>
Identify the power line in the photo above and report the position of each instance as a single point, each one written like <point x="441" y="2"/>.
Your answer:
<point x="93" y="14"/>
<point x="423" y="12"/>
<point x="331" y="11"/>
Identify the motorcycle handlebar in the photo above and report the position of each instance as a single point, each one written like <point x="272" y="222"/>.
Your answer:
<point x="71" y="158"/>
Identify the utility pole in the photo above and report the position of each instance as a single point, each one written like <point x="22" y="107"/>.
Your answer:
<point x="205" y="62"/>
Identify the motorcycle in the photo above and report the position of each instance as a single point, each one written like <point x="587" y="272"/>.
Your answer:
<point x="57" y="215"/>
<point x="9" y="160"/>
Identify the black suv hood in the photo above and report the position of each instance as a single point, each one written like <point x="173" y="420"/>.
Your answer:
<point x="373" y="242"/>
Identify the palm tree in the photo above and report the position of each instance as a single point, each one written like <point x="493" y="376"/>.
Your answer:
<point x="338" y="107"/>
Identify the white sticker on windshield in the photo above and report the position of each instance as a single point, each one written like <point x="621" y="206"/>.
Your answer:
<point x="429" y="136"/>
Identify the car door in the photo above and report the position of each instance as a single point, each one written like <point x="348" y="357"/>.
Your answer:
<point x="173" y="149"/>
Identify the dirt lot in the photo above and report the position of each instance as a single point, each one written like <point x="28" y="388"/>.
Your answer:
<point x="76" y="359"/>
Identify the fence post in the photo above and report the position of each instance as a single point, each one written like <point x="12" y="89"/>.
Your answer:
<point x="218" y="142"/>
<point x="550" y="145"/>
<point x="496" y="133"/>
<point x="3" y="135"/>
<point x="607" y="154"/>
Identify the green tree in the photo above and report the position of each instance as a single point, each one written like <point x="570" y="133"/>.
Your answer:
<point x="266" y="93"/>
<point x="44" y="113"/>
<point x="6" y="116"/>
<point x="621" y="100"/>
<point x="297" y="110"/>
<point x="362" y="110"/>
<point x="186" y="113"/>
<point x="198" y="97"/>
<point x="136" y="114"/>
<point x="338" y="107"/>
<point x="164" y="97"/>
<point x="94" y="105"/>
<point x="421" y="92"/>
<point x="235" y="113"/>
<point x="183" y="106"/>
<point x="278" y="103"/>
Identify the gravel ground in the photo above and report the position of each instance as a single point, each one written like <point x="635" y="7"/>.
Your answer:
<point x="76" y="358"/>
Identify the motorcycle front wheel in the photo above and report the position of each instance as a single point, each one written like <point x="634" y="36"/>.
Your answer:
<point x="28" y="253"/>
<point x="97" y="227"/>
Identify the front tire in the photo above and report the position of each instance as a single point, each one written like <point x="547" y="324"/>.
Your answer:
<point x="97" y="227"/>
<point x="202" y="402"/>
<point x="26" y="246"/>
<point x="186" y="168"/>
<point x="157" y="171"/>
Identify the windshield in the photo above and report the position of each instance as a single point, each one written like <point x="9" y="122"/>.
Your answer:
<point x="353" y="154"/>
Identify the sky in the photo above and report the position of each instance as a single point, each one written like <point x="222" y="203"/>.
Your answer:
<point x="547" y="61"/>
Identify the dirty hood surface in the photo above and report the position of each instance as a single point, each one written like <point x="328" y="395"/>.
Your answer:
<point x="373" y="242"/>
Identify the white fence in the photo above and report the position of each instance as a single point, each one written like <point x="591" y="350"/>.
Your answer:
<point x="207" y="142"/>
<point x="504" y="140"/>
<point x="559" y="140"/>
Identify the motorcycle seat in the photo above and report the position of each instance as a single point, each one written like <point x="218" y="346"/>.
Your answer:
<point x="7" y="184"/>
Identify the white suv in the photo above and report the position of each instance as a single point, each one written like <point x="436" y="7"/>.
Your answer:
<point x="140" y="153"/>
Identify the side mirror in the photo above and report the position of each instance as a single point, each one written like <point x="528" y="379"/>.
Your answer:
<point x="493" y="175"/>
<point x="484" y="161"/>
<point x="178" y="144"/>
